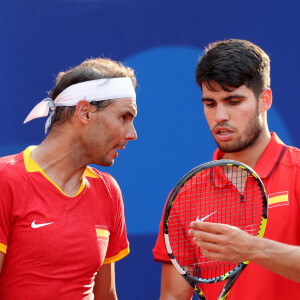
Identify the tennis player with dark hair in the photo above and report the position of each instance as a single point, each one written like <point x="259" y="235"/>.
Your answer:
<point x="62" y="224"/>
<point x="234" y="76"/>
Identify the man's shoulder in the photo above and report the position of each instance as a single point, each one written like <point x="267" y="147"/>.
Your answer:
<point x="294" y="149"/>
<point x="101" y="177"/>
<point x="92" y="172"/>
<point x="11" y="161"/>
<point x="12" y="169"/>
<point x="291" y="156"/>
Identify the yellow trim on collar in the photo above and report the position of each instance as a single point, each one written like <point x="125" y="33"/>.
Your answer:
<point x="31" y="166"/>
<point x="90" y="173"/>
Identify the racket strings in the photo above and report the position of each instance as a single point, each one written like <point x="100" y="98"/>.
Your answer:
<point x="227" y="195"/>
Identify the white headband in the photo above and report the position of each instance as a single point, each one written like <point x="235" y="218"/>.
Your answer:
<point x="93" y="90"/>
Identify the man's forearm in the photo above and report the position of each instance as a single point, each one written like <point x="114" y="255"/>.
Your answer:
<point x="277" y="257"/>
<point x="231" y="244"/>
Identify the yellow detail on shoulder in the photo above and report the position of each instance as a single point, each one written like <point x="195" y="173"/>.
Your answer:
<point x="117" y="257"/>
<point x="3" y="248"/>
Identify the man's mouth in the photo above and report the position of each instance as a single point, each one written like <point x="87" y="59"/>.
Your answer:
<point x="223" y="130"/>
<point x="223" y="133"/>
<point x="120" y="147"/>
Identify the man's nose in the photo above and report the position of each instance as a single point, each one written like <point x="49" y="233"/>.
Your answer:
<point x="221" y="114"/>
<point x="131" y="133"/>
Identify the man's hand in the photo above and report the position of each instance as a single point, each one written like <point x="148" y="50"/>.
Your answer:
<point x="231" y="244"/>
<point x="222" y="242"/>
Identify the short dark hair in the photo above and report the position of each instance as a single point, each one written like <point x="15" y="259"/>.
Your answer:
<point x="233" y="63"/>
<point x="90" y="69"/>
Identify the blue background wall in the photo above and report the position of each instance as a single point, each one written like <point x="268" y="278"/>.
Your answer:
<point x="161" y="40"/>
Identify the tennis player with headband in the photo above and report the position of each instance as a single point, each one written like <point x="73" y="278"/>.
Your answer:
<point x="234" y="76"/>
<point x="62" y="224"/>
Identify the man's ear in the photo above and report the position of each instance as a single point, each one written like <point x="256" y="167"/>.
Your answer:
<point x="82" y="111"/>
<point x="265" y="100"/>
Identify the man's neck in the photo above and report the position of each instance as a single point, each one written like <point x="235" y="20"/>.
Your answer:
<point x="251" y="155"/>
<point x="59" y="159"/>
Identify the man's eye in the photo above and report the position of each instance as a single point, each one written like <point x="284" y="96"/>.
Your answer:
<point x="124" y="117"/>
<point x="210" y="104"/>
<point x="234" y="102"/>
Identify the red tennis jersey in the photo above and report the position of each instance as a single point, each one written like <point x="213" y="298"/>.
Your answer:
<point x="279" y="169"/>
<point x="55" y="244"/>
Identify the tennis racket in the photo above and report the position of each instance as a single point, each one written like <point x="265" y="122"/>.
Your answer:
<point x="222" y="191"/>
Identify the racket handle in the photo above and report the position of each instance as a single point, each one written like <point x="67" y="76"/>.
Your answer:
<point x="195" y="287"/>
<point x="199" y="293"/>
<point x="227" y="287"/>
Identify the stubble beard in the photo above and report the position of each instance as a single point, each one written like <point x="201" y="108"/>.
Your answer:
<point x="247" y="139"/>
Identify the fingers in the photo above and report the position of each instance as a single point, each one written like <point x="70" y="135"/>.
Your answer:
<point x="211" y="244"/>
<point x="221" y="241"/>
<point x="209" y="227"/>
<point x="207" y="246"/>
<point x="212" y="238"/>
<point x="203" y="236"/>
<point x="209" y="241"/>
<point x="213" y="255"/>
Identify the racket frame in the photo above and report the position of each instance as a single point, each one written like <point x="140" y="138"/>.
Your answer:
<point x="233" y="274"/>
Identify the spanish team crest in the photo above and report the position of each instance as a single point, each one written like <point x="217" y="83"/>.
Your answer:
<point x="102" y="232"/>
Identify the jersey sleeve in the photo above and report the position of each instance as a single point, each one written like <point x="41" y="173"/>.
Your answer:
<point x="118" y="246"/>
<point x="159" y="251"/>
<point x="6" y="205"/>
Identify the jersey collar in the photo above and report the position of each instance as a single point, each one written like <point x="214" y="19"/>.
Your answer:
<point x="270" y="158"/>
<point x="31" y="167"/>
